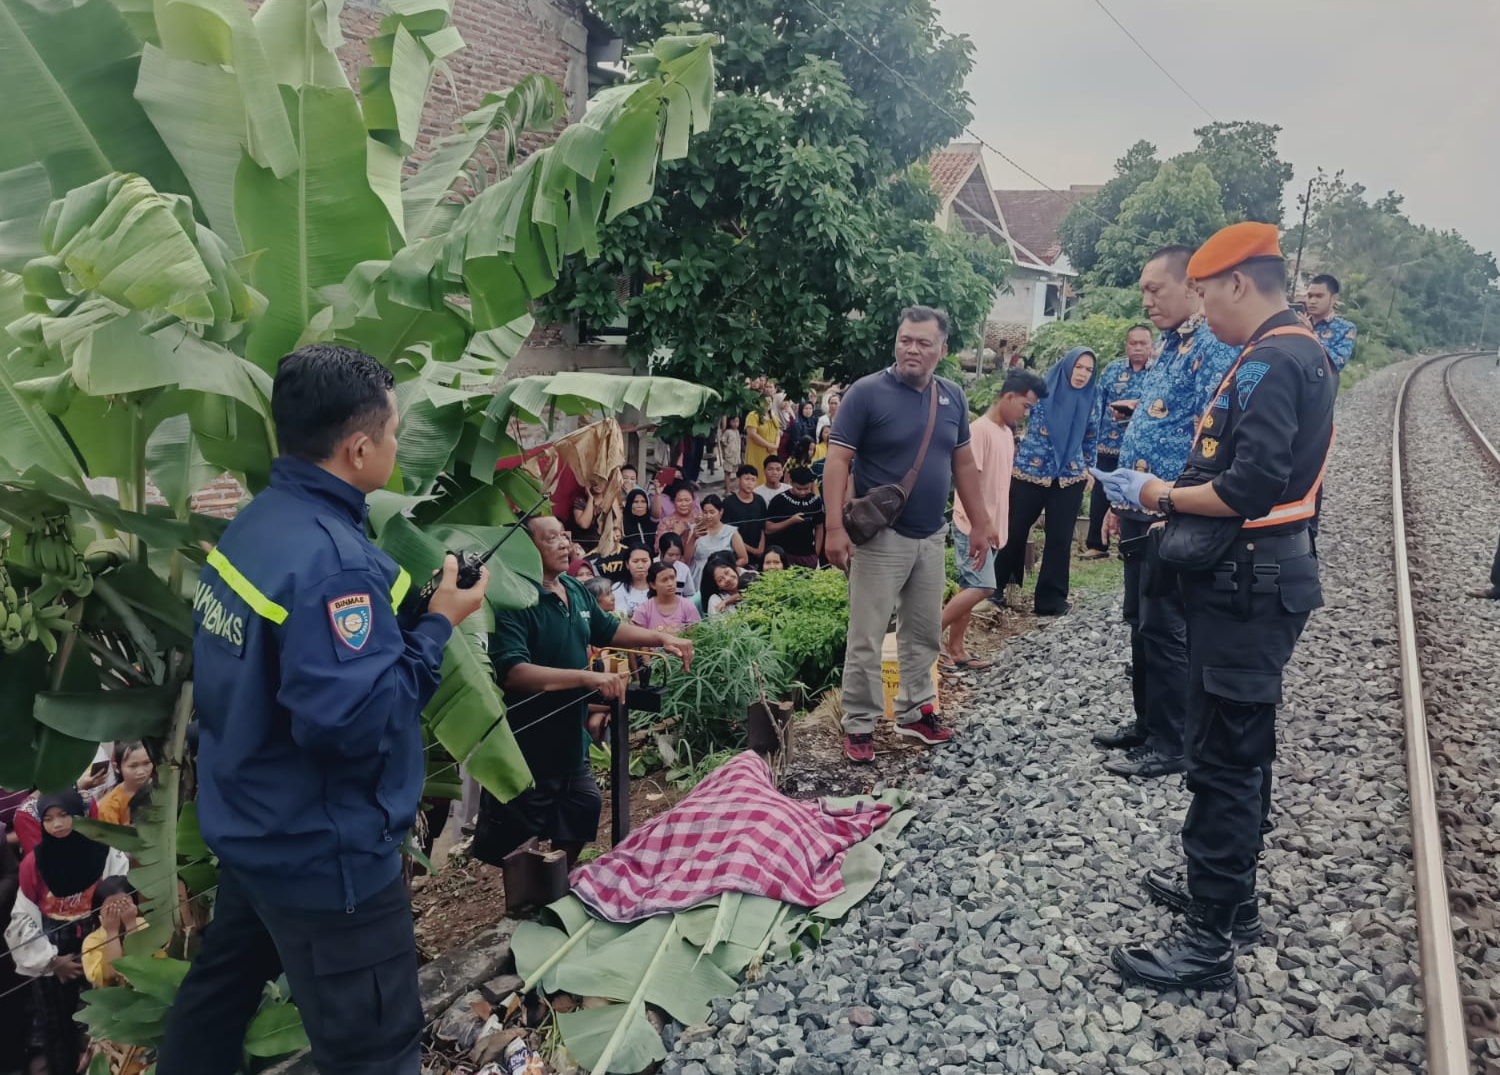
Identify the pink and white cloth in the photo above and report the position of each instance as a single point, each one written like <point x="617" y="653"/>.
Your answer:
<point x="734" y="833"/>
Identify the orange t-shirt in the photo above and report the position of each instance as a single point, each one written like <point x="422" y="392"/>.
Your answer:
<point x="115" y="806"/>
<point x="994" y="447"/>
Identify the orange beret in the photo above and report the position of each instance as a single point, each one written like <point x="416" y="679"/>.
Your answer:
<point x="1233" y="246"/>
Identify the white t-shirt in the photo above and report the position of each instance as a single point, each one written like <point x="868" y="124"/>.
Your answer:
<point x="766" y="493"/>
<point x="628" y="598"/>
<point x="716" y="605"/>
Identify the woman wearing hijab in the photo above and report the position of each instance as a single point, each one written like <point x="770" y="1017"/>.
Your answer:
<point x="53" y="913"/>
<point x="1052" y="466"/>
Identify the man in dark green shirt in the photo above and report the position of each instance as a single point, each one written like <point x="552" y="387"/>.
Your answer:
<point x="541" y="659"/>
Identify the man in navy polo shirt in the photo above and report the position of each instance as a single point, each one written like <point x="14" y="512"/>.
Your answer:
<point x="876" y="435"/>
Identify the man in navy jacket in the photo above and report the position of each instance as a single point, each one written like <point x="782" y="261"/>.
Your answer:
<point x="308" y="696"/>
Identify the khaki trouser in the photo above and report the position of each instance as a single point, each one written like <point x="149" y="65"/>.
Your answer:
<point x="905" y="574"/>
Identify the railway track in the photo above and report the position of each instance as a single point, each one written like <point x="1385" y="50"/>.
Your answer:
<point x="1447" y="760"/>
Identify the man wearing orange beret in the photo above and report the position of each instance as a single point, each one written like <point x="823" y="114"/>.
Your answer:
<point x="1237" y="531"/>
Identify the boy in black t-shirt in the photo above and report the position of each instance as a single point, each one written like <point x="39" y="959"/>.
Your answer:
<point x="795" y="520"/>
<point x="746" y="512"/>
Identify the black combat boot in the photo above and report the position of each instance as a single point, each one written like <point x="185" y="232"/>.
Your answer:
<point x="1161" y="887"/>
<point x="1200" y="956"/>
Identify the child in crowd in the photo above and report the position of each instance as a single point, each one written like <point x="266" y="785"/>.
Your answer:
<point x="666" y="611"/>
<point x="137" y="771"/>
<point x="774" y="560"/>
<point x="53" y="912"/>
<point x="820" y="449"/>
<point x="731" y="451"/>
<point x="721" y="585"/>
<point x="671" y="548"/>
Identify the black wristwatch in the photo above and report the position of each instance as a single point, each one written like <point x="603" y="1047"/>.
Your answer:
<point x="1164" y="502"/>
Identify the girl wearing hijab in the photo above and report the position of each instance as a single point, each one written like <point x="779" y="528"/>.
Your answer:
<point x="1052" y="466"/>
<point x="54" y="911"/>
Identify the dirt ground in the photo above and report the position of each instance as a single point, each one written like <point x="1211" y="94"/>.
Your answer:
<point x="468" y="896"/>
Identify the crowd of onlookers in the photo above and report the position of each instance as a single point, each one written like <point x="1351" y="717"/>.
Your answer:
<point x="674" y="549"/>
<point x="67" y="907"/>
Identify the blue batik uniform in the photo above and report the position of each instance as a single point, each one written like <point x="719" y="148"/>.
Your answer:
<point x="1120" y="380"/>
<point x="1175" y="391"/>
<point x="1036" y="461"/>
<point x="1337" y="337"/>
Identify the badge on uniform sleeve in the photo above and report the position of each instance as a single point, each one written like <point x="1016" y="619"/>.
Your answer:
<point x="351" y="616"/>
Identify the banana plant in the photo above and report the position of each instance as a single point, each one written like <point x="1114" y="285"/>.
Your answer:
<point x="187" y="192"/>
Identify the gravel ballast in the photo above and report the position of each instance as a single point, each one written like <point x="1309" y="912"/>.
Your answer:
<point x="987" y="951"/>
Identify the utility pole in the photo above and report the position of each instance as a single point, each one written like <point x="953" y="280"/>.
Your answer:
<point x="1302" y="241"/>
<point x="1390" y="307"/>
<point x="1485" y="321"/>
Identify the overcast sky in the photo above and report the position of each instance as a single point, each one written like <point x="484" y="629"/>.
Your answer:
<point x="1401" y="94"/>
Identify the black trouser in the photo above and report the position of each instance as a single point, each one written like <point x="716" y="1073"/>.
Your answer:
<point x="1241" y="635"/>
<point x="1027" y="501"/>
<point x="1158" y="642"/>
<point x="1099" y="504"/>
<point x="1495" y="568"/>
<point x="353" y="976"/>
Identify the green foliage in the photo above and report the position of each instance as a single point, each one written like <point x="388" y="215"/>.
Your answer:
<point x="1182" y="203"/>
<point x="734" y="664"/>
<point x="1242" y="162"/>
<point x="1082" y="228"/>
<point x="1104" y="335"/>
<point x="1407" y="286"/>
<point x="806" y="614"/>
<point x="1111" y="302"/>
<point x="789" y="236"/>
<point x="1242" y="157"/>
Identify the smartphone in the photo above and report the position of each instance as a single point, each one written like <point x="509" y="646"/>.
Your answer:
<point x="1299" y="307"/>
<point x="1123" y="409"/>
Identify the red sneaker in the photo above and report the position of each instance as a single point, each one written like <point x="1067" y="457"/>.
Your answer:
<point x="928" y="729"/>
<point x="860" y="748"/>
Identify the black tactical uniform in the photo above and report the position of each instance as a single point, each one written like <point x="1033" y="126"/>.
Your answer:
<point x="1263" y="446"/>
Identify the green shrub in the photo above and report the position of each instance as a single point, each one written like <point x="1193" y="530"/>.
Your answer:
<point x="805" y="613"/>
<point x="734" y="664"/>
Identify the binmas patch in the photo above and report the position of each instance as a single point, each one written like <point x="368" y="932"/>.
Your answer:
<point x="352" y="616"/>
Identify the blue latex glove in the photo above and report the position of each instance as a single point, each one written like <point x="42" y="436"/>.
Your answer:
<point x="1123" y="486"/>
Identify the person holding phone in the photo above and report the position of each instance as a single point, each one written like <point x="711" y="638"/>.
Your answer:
<point x="1119" y="393"/>
<point x="795" y="519"/>
<point x="712" y="534"/>
<point x="1190" y="364"/>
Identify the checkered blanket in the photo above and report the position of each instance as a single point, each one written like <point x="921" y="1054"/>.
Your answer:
<point x="734" y="833"/>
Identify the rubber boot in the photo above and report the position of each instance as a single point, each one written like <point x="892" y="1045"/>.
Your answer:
<point x="1163" y="889"/>
<point x="1199" y="956"/>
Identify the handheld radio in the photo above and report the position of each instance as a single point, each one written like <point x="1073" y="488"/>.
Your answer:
<point x="470" y="564"/>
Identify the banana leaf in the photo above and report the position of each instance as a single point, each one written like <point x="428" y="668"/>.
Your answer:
<point x="536" y="398"/>
<point x="311" y="226"/>
<point x="67" y="76"/>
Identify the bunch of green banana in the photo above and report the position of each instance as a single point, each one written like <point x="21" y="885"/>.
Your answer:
<point x="49" y="549"/>
<point x="23" y="621"/>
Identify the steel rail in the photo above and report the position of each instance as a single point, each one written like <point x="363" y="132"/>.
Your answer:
<point x="1442" y="997"/>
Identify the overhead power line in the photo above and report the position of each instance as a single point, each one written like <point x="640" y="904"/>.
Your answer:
<point x="960" y="124"/>
<point x="1146" y="52"/>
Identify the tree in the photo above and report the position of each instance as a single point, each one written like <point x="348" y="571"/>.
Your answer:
<point x="786" y="239"/>
<point x="1404" y="284"/>
<point x="1084" y="225"/>
<point x="1182" y="204"/>
<point x="188" y="195"/>
<point x="1242" y="157"/>
<point x="1101" y="333"/>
